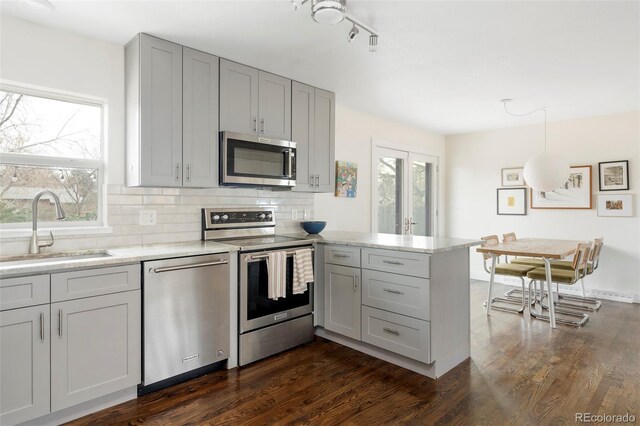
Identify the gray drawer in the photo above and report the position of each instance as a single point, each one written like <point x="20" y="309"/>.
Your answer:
<point x="342" y="255"/>
<point x="397" y="333"/>
<point x="414" y="264"/>
<point x="94" y="282"/>
<point x="396" y="293"/>
<point x="24" y="291"/>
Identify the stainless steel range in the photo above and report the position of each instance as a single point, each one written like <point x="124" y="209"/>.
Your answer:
<point x="266" y="326"/>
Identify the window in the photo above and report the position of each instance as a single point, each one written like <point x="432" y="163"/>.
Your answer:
<point x="49" y="142"/>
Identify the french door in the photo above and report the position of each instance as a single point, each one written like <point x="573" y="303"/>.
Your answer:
<point x="404" y="202"/>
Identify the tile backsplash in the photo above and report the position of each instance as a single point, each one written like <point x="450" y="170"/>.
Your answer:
<point x="178" y="213"/>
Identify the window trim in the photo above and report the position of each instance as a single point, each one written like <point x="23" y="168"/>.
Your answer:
<point x="98" y="226"/>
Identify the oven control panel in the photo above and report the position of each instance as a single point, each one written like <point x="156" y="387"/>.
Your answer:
<point x="238" y="218"/>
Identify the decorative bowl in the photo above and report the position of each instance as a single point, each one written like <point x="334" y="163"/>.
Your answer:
<point x="313" y="226"/>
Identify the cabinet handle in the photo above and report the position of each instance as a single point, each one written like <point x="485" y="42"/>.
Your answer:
<point x="388" y="290"/>
<point x="255" y="124"/>
<point x="60" y="322"/>
<point x="341" y="255"/>
<point x="355" y="283"/>
<point x="317" y="181"/>
<point x="177" y="172"/>
<point x="392" y="262"/>
<point x="188" y="172"/>
<point x="392" y="331"/>
<point x="311" y="181"/>
<point x="41" y="326"/>
<point x="262" y="126"/>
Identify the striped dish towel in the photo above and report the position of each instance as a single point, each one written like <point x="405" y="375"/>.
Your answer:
<point x="277" y="271"/>
<point x="302" y="270"/>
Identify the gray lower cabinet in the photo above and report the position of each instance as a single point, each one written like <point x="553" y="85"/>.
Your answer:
<point x="313" y="130"/>
<point x="254" y="101"/>
<point x="24" y="364"/>
<point x="95" y="347"/>
<point x="342" y="293"/>
<point x="172" y="114"/>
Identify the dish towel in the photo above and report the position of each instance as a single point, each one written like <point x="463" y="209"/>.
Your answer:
<point x="277" y="272"/>
<point x="302" y="270"/>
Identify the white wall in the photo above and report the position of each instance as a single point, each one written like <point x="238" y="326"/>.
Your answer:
<point x="354" y="132"/>
<point x="474" y="161"/>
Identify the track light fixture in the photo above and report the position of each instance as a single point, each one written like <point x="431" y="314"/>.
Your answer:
<point x="352" y="33"/>
<point x="335" y="11"/>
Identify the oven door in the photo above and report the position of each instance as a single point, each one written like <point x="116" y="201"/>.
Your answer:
<point x="256" y="309"/>
<point x="253" y="160"/>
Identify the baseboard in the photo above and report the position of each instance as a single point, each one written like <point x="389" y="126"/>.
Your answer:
<point x="594" y="293"/>
<point x="84" y="409"/>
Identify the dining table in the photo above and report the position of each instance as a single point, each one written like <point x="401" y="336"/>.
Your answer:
<point x="541" y="248"/>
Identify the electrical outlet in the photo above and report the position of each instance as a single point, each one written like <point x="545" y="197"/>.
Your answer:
<point x="148" y="217"/>
<point x="294" y="214"/>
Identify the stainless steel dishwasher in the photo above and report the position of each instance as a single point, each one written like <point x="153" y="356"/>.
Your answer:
<point x="185" y="317"/>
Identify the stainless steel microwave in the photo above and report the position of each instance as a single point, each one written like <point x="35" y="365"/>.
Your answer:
<point x="255" y="160"/>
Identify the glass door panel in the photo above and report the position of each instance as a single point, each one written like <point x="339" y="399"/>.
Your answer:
<point x="420" y="198"/>
<point x="390" y="200"/>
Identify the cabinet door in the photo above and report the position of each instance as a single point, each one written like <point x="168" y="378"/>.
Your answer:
<point x="160" y="112"/>
<point x="24" y="363"/>
<point x="200" y="119"/>
<point x="303" y="134"/>
<point x="238" y="97"/>
<point x="324" y="142"/>
<point x="86" y="333"/>
<point x="274" y="106"/>
<point x="342" y="300"/>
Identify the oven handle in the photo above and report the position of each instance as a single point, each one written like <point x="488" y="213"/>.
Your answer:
<point x="251" y="258"/>
<point x="195" y="265"/>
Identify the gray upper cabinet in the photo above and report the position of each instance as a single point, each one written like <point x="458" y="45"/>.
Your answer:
<point x="154" y="112"/>
<point x="274" y="106"/>
<point x="254" y="101"/>
<point x="238" y="97"/>
<point x="313" y="129"/>
<point x="200" y="119"/>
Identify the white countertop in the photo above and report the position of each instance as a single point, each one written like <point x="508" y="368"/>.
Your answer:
<point x="410" y="243"/>
<point x="116" y="256"/>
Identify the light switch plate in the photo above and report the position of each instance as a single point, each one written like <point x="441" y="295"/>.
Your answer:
<point x="308" y="214"/>
<point x="294" y="214"/>
<point x="148" y="217"/>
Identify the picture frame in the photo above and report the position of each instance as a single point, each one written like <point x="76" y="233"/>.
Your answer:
<point x="511" y="201"/>
<point x="346" y="179"/>
<point x="576" y="194"/>
<point x="613" y="175"/>
<point x="513" y="176"/>
<point x="615" y="205"/>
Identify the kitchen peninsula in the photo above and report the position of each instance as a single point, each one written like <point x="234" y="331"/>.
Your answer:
<point x="403" y="299"/>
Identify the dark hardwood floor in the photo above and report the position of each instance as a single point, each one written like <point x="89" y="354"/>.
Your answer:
<point x="520" y="372"/>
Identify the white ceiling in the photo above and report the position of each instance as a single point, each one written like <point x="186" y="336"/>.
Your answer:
<point x="442" y="66"/>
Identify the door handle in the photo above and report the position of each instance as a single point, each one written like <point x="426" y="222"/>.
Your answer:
<point x="41" y="326"/>
<point x="177" y="172"/>
<point x="355" y="283"/>
<point x="60" y="322"/>
<point x="311" y="177"/>
<point x="317" y="181"/>
<point x="188" y="172"/>
<point x="196" y="265"/>
<point x="262" y="126"/>
<point x="255" y="124"/>
<point x="288" y="165"/>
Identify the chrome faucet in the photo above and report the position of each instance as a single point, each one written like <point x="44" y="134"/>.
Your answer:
<point x="34" y="245"/>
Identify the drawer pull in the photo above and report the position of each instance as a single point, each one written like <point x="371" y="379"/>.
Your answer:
<point x="41" y="327"/>
<point x="389" y="290"/>
<point x="60" y="322"/>
<point x="392" y="331"/>
<point x="341" y="255"/>
<point x="392" y="262"/>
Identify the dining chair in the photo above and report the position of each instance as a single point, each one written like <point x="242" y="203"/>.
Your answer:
<point x="582" y="302"/>
<point x="513" y="293"/>
<point x="506" y="269"/>
<point x="565" y="276"/>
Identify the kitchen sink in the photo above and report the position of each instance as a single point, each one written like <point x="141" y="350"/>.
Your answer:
<point x="49" y="257"/>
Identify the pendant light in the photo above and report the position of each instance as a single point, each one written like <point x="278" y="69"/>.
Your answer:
<point x="545" y="171"/>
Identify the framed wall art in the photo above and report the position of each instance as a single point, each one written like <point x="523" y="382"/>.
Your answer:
<point x="512" y="201"/>
<point x="614" y="175"/>
<point x="615" y="205"/>
<point x="346" y="179"/>
<point x="576" y="193"/>
<point x="513" y="176"/>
